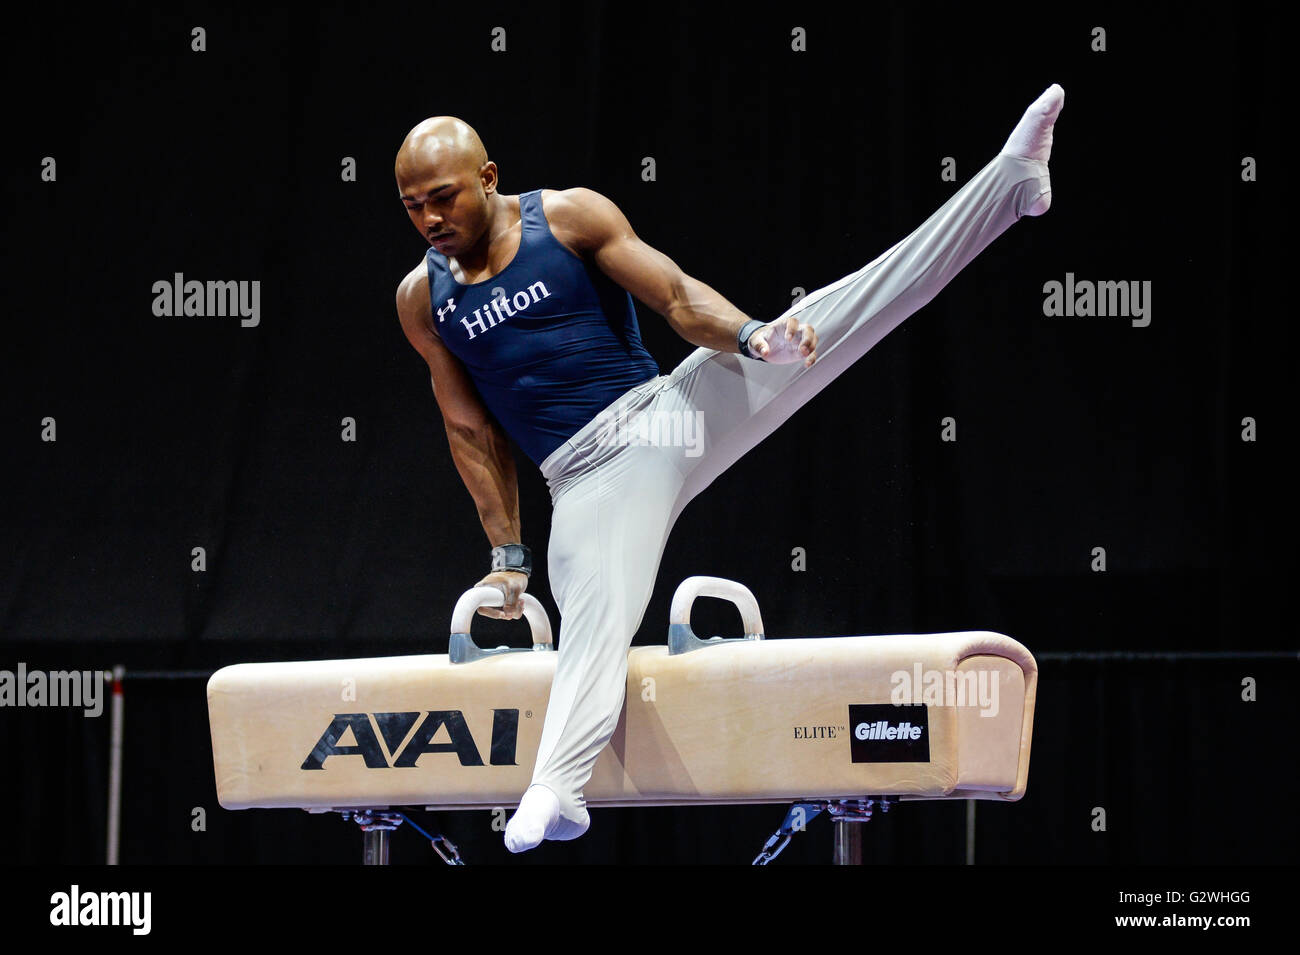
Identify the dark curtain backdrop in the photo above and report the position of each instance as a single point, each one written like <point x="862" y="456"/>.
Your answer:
<point x="775" y="170"/>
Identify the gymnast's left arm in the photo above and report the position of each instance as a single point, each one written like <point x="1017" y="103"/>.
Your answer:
<point x="597" y="228"/>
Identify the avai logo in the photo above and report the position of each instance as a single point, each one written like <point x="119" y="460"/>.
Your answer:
<point x="395" y="727"/>
<point x="884" y="733"/>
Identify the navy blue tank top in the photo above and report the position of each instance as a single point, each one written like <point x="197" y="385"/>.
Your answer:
<point x="548" y="341"/>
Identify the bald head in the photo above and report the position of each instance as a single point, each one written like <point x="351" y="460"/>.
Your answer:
<point x="443" y="144"/>
<point x="448" y="185"/>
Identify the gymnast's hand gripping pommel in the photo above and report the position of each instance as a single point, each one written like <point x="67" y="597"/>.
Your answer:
<point x="512" y="564"/>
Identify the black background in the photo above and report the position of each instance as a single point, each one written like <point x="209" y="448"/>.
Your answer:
<point x="775" y="170"/>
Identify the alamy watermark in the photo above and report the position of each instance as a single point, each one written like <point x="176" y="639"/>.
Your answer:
<point x="129" y="909"/>
<point x="213" y="299"/>
<point x="79" y="688"/>
<point x="1085" y="298"/>
<point x="946" y="688"/>
<point x="664" y="429"/>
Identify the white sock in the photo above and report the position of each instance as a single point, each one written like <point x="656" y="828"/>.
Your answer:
<point x="538" y="812"/>
<point x="1032" y="137"/>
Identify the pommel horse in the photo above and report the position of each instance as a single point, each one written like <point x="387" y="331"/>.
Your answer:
<point x="837" y="724"/>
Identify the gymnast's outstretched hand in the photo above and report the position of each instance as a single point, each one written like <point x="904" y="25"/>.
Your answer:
<point x="784" y="341"/>
<point x="512" y="585"/>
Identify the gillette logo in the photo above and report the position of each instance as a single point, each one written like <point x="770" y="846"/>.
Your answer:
<point x="882" y="730"/>
<point x="885" y="733"/>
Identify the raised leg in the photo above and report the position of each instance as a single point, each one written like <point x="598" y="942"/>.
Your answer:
<point x="739" y="401"/>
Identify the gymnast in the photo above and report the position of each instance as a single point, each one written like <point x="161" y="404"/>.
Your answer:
<point x="522" y="308"/>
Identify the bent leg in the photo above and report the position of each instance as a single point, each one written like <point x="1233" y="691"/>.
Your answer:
<point x="608" y="531"/>
<point x="739" y="401"/>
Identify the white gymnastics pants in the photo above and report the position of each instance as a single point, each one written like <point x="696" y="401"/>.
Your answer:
<point x="618" y="485"/>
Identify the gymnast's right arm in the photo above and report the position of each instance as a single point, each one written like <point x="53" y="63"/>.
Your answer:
<point x="478" y="444"/>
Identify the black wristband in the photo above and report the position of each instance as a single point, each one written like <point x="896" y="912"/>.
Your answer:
<point x="742" y="337"/>
<point x="515" y="557"/>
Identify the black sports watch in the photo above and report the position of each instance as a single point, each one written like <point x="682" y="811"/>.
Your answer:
<point x="514" y="557"/>
<point x="742" y="337"/>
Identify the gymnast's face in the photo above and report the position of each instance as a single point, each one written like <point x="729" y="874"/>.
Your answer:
<point x="447" y="200"/>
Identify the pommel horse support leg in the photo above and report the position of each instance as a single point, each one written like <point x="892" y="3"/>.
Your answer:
<point x="838" y="724"/>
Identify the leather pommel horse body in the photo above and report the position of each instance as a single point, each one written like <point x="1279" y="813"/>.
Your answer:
<point x="744" y="720"/>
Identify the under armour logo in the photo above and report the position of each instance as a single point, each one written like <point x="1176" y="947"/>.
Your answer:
<point x="447" y="309"/>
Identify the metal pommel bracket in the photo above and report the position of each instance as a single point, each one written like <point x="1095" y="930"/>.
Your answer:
<point x="462" y="648"/>
<point x="682" y="639"/>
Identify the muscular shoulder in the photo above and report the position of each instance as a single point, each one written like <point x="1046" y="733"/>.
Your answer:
<point x="413" y="297"/>
<point x="583" y="219"/>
